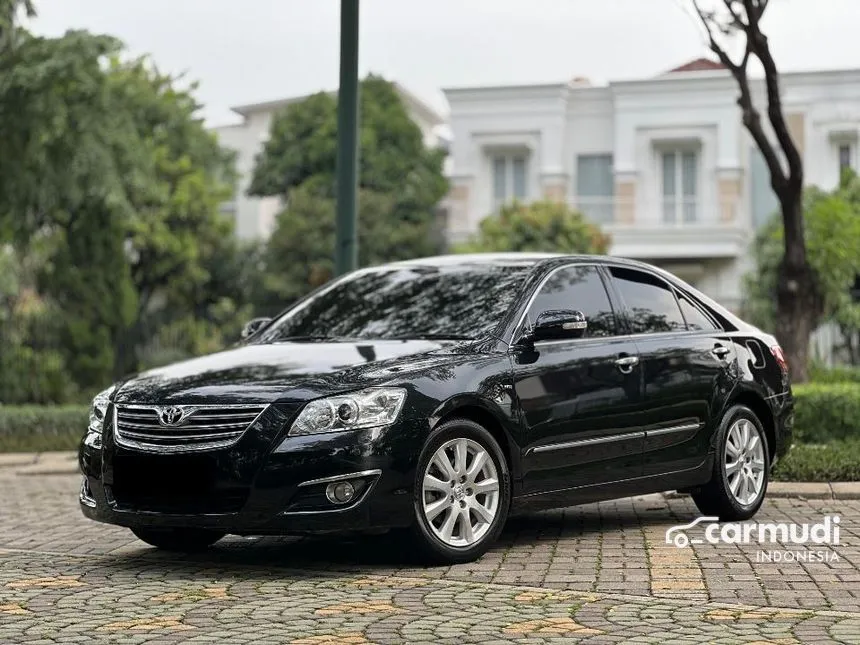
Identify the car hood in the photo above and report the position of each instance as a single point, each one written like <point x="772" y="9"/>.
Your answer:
<point x="276" y="372"/>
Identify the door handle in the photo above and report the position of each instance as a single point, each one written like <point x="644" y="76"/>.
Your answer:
<point x="720" y="351"/>
<point x="626" y="364"/>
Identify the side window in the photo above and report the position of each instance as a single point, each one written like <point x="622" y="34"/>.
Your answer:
<point x="650" y="302"/>
<point x="579" y="288"/>
<point x="696" y="319"/>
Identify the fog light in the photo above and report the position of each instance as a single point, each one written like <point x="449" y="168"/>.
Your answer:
<point x="86" y="495"/>
<point x="340" y="492"/>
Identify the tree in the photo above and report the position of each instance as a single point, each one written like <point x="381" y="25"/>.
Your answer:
<point x="32" y="368"/>
<point x="62" y="178"/>
<point x="9" y="12"/>
<point x="107" y="161"/>
<point x="544" y="226"/>
<point x="299" y="258"/>
<point x="302" y="147"/>
<point x="832" y="237"/>
<point x="400" y="184"/>
<point x="176" y="234"/>
<point x="799" y="298"/>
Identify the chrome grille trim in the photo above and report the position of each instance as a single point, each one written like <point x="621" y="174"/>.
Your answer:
<point x="203" y="427"/>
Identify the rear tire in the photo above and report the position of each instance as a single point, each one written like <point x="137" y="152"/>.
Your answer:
<point x="461" y="493"/>
<point x="741" y="468"/>
<point x="178" y="539"/>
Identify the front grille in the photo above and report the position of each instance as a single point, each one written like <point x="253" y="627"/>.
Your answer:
<point x="182" y="428"/>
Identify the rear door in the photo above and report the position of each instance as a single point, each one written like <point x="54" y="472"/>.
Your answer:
<point x="687" y="366"/>
<point x="578" y="398"/>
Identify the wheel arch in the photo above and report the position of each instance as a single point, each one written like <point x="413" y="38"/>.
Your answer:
<point x="489" y="417"/>
<point x="757" y="403"/>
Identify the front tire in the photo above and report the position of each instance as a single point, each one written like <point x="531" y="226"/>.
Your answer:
<point x="178" y="539"/>
<point x="461" y="493"/>
<point x="741" y="468"/>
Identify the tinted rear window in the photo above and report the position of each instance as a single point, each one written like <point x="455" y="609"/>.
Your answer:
<point x="651" y="303"/>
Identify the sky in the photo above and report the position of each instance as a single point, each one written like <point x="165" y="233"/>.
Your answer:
<point x="245" y="51"/>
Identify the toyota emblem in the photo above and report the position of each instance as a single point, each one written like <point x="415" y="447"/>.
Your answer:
<point x="171" y="416"/>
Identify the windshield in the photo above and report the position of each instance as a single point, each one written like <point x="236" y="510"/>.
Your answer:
<point x="455" y="302"/>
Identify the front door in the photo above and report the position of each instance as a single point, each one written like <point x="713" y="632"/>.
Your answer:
<point x="687" y="372"/>
<point x="578" y="398"/>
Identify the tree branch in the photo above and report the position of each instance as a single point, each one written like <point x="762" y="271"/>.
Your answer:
<point x="750" y="115"/>
<point x="736" y="17"/>
<point x="757" y="41"/>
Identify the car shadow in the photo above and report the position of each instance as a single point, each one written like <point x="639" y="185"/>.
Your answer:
<point x="271" y="557"/>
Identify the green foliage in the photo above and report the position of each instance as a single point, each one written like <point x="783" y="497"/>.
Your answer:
<point x="33" y="376"/>
<point x="10" y="11"/>
<point x="826" y="412"/>
<point x="840" y="374"/>
<point x="544" y="226"/>
<point x="39" y="428"/>
<point x="32" y="367"/>
<point x="88" y="279"/>
<point x="60" y="131"/>
<point x="107" y="165"/>
<point x="303" y="146"/>
<point x="177" y="238"/>
<point x="832" y="233"/>
<point x="299" y="253"/>
<point x="191" y="336"/>
<point x="837" y="461"/>
<point x="400" y="183"/>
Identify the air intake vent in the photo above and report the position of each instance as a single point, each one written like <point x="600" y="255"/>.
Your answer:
<point x="182" y="428"/>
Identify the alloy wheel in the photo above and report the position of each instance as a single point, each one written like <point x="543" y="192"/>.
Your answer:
<point x="744" y="461"/>
<point x="460" y="492"/>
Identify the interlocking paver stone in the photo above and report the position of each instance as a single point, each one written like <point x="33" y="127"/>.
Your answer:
<point x="596" y="574"/>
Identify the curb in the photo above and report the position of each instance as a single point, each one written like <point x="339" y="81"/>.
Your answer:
<point x="42" y="463"/>
<point x="804" y="490"/>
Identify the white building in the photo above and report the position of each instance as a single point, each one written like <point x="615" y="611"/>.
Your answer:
<point x="663" y="164"/>
<point x="255" y="217"/>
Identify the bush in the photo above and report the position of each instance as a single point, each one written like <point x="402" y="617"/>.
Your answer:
<point x="838" y="461"/>
<point x="841" y="374"/>
<point x="826" y="412"/>
<point x="38" y="428"/>
<point x="539" y="226"/>
<point x="33" y="376"/>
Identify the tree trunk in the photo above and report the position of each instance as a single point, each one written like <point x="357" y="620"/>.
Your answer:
<point x="799" y="305"/>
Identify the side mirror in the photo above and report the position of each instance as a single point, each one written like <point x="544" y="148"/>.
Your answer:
<point x="559" y="324"/>
<point x="253" y="326"/>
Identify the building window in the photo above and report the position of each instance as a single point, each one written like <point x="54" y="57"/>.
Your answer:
<point x="845" y="156"/>
<point x="680" y="178"/>
<point x="595" y="187"/>
<point x="510" y="178"/>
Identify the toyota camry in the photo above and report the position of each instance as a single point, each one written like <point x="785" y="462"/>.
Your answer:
<point x="440" y="396"/>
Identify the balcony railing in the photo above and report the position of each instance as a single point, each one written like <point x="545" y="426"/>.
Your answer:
<point x="671" y="212"/>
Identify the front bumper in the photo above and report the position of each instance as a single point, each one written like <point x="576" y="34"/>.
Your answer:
<point x="266" y="483"/>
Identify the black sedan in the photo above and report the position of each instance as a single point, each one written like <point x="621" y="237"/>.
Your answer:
<point x="442" y="395"/>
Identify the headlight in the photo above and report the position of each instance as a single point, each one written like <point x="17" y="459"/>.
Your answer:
<point x="364" y="409"/>
<point x="98" y="410"/>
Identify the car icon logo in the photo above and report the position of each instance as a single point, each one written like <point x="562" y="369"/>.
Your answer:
<point x="676" y="534"/>
<point x="171" y="416"/>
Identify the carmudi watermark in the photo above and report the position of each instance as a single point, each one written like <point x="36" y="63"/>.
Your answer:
<point x="787" y="541"/>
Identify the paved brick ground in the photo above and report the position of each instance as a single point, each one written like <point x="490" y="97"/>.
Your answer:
<point x="595" y="574"/>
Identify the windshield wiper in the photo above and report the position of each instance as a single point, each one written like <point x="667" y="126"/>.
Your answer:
<point x="300" y="339"/>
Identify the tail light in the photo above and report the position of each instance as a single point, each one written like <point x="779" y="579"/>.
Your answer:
<point x="779" y="355"/>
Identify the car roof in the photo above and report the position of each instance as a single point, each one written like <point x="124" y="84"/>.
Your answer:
<point x="513" y="258"/>
<point x="478" y="258"/>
